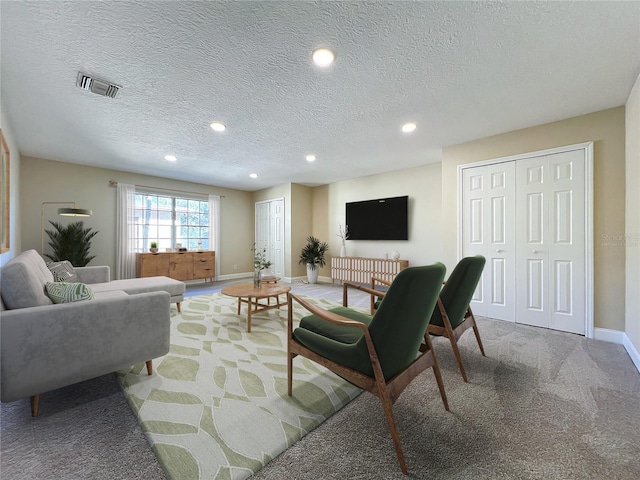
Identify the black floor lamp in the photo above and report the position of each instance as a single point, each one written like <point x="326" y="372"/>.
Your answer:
<point x="65" y="212"/>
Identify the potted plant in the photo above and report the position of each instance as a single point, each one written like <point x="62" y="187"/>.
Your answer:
<point x="260" y="263"/>
<point x="153" y="247"/>
<point x="71" y="243"/>
<point x="312" y="256"/>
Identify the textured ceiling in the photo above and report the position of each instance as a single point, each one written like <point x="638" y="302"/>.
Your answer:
<point x="460" y="70"/>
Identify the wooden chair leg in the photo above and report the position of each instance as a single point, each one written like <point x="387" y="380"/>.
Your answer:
<point x="475" y="330"/>
<point x="456" y="352"/>
<point x="150" y="367"/>
<point x="436" y="372"/>
<point x="35" y="405"/>
<point x="289" y="373"/>
<point x="454" y="344"/>
<point x="178" y="305"/>
<point x="387" y="405"/>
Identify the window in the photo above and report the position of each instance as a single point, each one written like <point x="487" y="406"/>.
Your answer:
<point x="170" y="220"/>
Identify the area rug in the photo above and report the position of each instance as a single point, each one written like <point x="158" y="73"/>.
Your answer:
<point x="216" y="406"/>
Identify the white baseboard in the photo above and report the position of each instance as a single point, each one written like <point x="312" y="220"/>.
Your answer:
<point x="631" y="350"/>
<point x="233" y="276"/>
<point x="621" y="338"/>
<point x="608" y="335"/>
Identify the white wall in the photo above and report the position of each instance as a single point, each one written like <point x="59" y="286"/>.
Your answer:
<point x="632" y="224"/>
<point x="421" y="184"/>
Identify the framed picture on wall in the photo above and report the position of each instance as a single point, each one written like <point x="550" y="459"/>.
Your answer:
<point x="4" y="195"/>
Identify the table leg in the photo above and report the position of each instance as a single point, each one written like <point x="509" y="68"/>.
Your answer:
<point x="239" y="302"/>
<point x="249" y="308"/>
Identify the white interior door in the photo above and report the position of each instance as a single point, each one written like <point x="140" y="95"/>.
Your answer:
<point x="530" y="216"/>
<point x="276" y="236"/>
<point x="270" y="232"/>
<point x="550" y="226"/>
<point x="488" y="211"/>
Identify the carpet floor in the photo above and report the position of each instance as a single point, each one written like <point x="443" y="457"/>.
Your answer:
<point x="542" y="404"/>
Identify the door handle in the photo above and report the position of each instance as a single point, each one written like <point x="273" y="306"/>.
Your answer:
<point x="535" y="251"/>
<point x="499" y="250"/>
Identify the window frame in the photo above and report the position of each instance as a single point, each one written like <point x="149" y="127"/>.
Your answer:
<point x="150" y="230"/>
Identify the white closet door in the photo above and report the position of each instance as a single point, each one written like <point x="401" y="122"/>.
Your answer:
<point x="489" y="207"/>
<point x="550" y="239"/>
<point x="262" y="225"/>
<point x="269" y="219"/>
<point x="567" y="215"/>
<point x="276" y="239"/>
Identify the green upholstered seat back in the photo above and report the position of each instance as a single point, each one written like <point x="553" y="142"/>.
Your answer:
<point x="398" y="326"/>
<point x="456" y="294"/>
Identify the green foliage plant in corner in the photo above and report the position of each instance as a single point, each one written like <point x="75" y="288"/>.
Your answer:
<point x="313" y="253"/>
<point x="71" y="242"/>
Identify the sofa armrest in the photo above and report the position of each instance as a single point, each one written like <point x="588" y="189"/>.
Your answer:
<point x="49" y="347"/>
<point x="100" y="274"/>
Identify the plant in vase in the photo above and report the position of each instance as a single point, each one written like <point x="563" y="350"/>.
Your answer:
<point x="344" y="235"/>
<point x="153" y="247"/>
<point x="260" y="262"/>
<point x="71" y="242"/>
<point x="312" y="255"/>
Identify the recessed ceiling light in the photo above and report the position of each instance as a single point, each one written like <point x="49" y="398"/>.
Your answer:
<point x="323" y="57"/>
<point x="253" y="175"/>
<point x="170" y="158"/>
<point x="408" y="127"/>
<point x="218" y="127"/>
<point x="310" y="158"/>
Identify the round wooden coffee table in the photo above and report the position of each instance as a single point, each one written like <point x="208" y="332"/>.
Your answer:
<point x="246" y="293"/>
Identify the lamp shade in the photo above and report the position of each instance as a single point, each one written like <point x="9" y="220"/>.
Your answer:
<point x="74" y="212"/>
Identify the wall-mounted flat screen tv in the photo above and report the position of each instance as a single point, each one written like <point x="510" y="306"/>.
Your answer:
<point x="379" y="219"/>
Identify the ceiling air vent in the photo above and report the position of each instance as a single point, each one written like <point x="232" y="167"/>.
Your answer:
<point x="98" y="86"/>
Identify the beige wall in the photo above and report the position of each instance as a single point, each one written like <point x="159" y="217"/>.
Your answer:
<point x="14" y="193"/>
<point x="607" y="130"/>
<point x="52" y="181"/>
<point x="421" y="184"/>
<point x="632" y="232"/>
<point x="298" y="221"/>
<point x="302" y="214"/>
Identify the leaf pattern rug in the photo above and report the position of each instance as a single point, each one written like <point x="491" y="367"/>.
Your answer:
<point x="216" y="406"/>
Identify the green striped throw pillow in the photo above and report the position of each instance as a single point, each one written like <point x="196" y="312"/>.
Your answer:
<point x="63" y="292"/>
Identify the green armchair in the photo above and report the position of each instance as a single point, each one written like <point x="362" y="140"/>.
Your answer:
<point x="380" y="353"/>
<point x="453" y="315"/>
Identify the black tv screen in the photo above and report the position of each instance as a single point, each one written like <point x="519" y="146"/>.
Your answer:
<point x="379" y="219"/>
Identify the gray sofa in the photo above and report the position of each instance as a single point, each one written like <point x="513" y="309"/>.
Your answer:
<point x="45" y="346"/>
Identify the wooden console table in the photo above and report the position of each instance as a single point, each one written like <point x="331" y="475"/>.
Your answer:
<point x="360" y="270"/>
<point x="177" y="265"/>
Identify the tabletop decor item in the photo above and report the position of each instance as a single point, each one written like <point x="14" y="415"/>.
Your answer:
<point x="260" y="262"/>
<point x="344" y="235"/>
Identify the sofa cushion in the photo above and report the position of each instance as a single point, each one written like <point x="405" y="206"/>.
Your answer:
<point x="143" y="285"/>
<point x="22" y="281"/>
<point x="63" y="271"/>
<point x="63" y="292"/>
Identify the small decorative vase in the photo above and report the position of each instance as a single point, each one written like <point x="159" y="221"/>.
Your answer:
<point x="153" y="250"/>
<point x="396" y="255"/>
<point x="343" y="251"/>
<point x="257" y="278"/>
